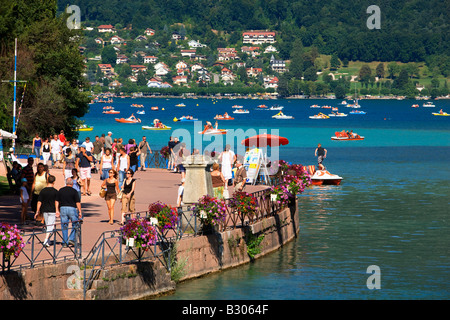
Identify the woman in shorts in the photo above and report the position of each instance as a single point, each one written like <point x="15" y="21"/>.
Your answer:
<point x="111" y="184"/>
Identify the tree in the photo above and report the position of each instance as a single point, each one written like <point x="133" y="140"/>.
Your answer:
<point x="365" y="73"/>
<point x="334" y="62"/>
<point x="379" y="71"/>
<point x="310" y="74"/>
<point x="109" y="55"/>
<point x="339" y="92"/>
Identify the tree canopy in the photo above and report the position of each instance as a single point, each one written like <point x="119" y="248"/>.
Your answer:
<point x="50" y="62"/>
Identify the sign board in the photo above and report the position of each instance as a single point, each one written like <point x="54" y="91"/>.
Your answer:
<point x="252" y="164"/>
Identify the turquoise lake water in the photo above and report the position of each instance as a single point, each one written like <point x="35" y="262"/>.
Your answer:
<point x="391" y="209"/>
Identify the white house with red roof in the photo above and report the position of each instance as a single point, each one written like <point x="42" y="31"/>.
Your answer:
<point x="106" y="28"/>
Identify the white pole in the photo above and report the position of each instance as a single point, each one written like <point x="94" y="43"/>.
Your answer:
<point x="15" y="85"/>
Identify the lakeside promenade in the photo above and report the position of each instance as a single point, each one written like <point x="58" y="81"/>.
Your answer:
<point x="151" y="185"/>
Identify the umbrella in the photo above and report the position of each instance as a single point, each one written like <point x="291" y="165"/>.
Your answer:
<point x="6" y="134"/>
<point x="264" y="140"/>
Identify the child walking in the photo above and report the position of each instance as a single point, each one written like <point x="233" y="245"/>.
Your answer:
<point x="24" y="200"/>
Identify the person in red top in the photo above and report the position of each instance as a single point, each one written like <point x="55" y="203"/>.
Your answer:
<point x="61" y="136"/>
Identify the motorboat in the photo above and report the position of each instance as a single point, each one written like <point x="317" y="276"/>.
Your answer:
<point x="343" y="136"/>
<point x="225" y="116"/>
<point x="108" y="108"/>
<point x="334" y="109"/>
<point x="276" y="107"/>
<point x="237" y="106"/>
<point x="262" y="106"/>
<point x="315" y="106"/>
<point x="154" y="108"/>
<point x="241" y="111"/>
<point x="84" y="127"/>
<point x="320" y="115"/>
<point x="343" y="103"/>
<point x="164" y="127"/>
<point x="357" y="112"/>
<point x="111" y="112"/>
<point x="131" y="119"/>
<point x="281" y="115"/>
<point x="213" y="131"/>
<point x="415" y="106"/>
<point x="134" y="105"/>
<point x="323" y="177"/>
<point x="184" y="118"/>
<point x="337" y="114"/>
<point x="326" y="107"/>
<point x="140" y="112"/>
<point x="428" y="104"/>
<point x="180" y="105"/>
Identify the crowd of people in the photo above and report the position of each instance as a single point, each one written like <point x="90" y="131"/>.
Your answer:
<point x="115" y="162"/>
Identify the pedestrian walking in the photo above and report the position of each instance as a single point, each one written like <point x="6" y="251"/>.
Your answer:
<point x="36" y="147"/>
<point x="83" y="165"/>
<point x="128" y="200"/>
<point x="76" y="182"/>
<point x="106" y="163"/>
<point x="227" y="157"/>
<point x="108" y="140"/>
<point x="111" y="184"/>
<point x="123" y="164"/>
<point x="39" y="183"/>
<point x="67" y="204"/>
<point x="45" y="151"/>
<point x="144" y="149"/>
<point x="133" y="154"/>
<point x="55" y="149"/>
<point x="47" y="206"/>
<point x="24" y="200"/>
<point x="68" y="163"/>
<point x="97" y="150"/>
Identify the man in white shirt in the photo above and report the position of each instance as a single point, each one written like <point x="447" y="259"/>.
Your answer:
<point x="55" y="149"/>
<point x="88" y="145"/>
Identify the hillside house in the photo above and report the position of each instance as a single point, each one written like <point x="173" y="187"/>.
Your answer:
<point x="116" y="40"/>
<point x="253" y="72"/>
<point x="195" y="44"/>
<point x="106" y="28"/>
<point x="138" y="68"/>
<point x="150" y="59"/>
<point x="190" y="53"/>
<point x="258" y="37"/>
<point x="149" y="32"/>
<point x="277" y="65"/>
<point x="121" y="58"/>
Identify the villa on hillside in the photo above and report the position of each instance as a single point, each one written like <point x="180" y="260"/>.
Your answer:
<point x="150" y="59"/>
<point x="106" y="28"/>
<point x="258" y="37"/>
<point x="277" y="65"/>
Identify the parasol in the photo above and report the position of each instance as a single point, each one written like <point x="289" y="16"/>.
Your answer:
<point x="264" y="140"/>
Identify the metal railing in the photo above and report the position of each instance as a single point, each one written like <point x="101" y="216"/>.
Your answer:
<point x="111" y="248"/>
<point x="35" y="253"/>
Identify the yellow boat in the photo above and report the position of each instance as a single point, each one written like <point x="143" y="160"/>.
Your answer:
<point x="84" y="127"/>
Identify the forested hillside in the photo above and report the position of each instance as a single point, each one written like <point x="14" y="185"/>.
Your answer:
<point x="411" y="30"/>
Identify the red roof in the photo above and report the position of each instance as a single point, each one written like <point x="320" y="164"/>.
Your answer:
<point x="105" y="26"/>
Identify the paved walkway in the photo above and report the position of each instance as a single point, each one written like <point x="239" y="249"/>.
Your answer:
<point x="152" y="185"/>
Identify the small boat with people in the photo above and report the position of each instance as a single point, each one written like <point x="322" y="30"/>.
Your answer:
<point x="337" y="114"/>
<point x="320" y="115"/>
<point x="415" y="106"/>
<point x="315" y="106"/>
<point x="343" y="102"/>
<point x="326" y="107"/>
<point x="112" y="111"/>
<point x="135" y="105"/>
<point x="281" y="115"/>
<point x="241" y="111"/>
<point x="276" y="107"/>
<point x="180" y="105"/>
<point x="428" y="104"/>
<point x="185" y="118"/>
<point x="334" y="109"/>
<point x="154" y="108"/>
<point x="84" y="127"/>
<point x="130" y="119"/>
<point x="108" y="108"/>
<point x="225" y="116"/>
<point x="157" y="125"/>
<point x="262" y="106"/>
<point x="140" y="112"/>
<point x="357" y="112"/>
<point x="321" y="176"/>
<point x="237" y="106"/>
<point x="441" y="113"/>
<point x="346" y="136"/>
<point x="209" y="129"/>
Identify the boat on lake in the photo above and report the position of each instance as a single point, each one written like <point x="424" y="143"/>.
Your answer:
<point x="276" y="107"/>
<point x="130" y="119"/>
<point x="281" y="115"/>
<point x="111" y="111"/>
<point x="320" y="115"/>
<point x="428" y="104"/>
<point x="241" y="111"/>
<point x="180" y="105"/>
<point x="84" y="127"/>
<point x="357" y="112"/>
<point x="337" y="114"/>
<point x="344" y="136"/>
<point x="322" y="177"/>
<point x="184" y="118"/>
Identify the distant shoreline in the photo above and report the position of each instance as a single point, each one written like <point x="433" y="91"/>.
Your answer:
<point x="268" y="97"/>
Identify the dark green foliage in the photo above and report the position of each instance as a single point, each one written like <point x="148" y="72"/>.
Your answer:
<point x="50" y="62"/>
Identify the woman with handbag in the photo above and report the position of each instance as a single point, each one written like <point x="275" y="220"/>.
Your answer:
<point x="111" y="184"/>
<point x="128" y="201"/>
